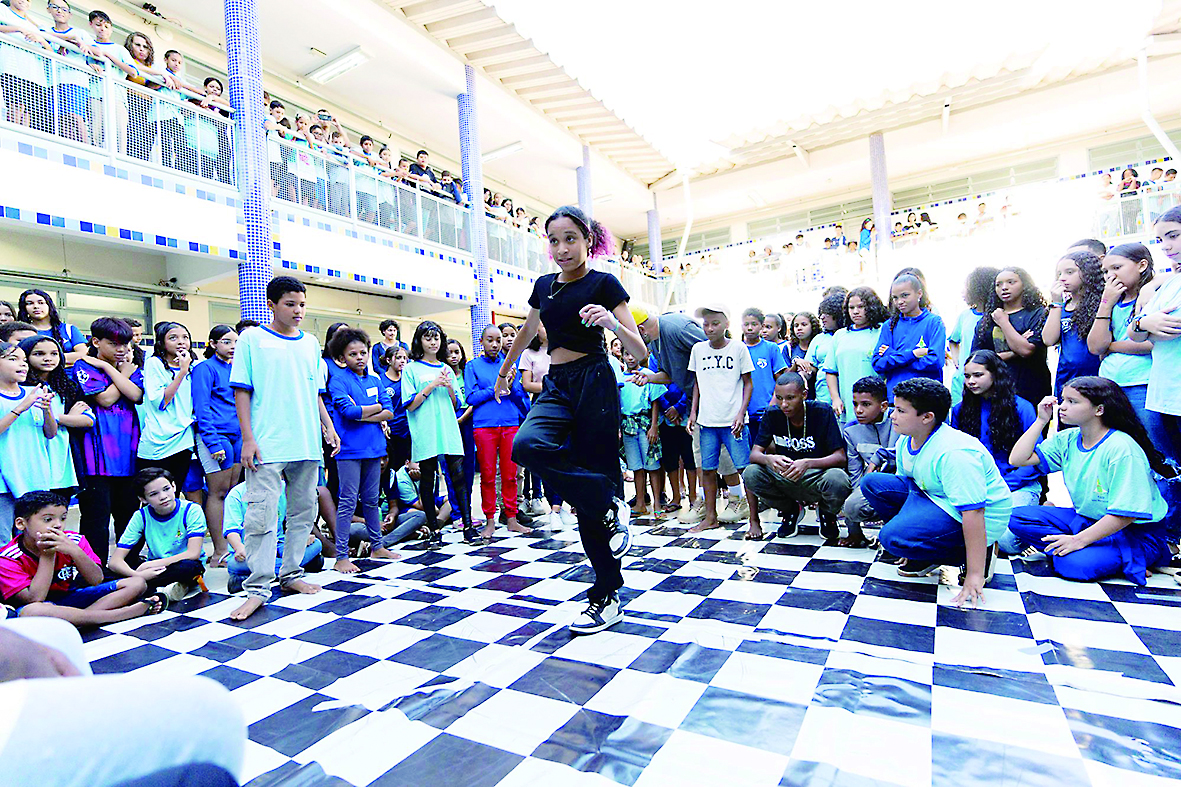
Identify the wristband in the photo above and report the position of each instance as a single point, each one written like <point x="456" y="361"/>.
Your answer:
<point x="1057" y="305"/>
<point x="1098" y="317"/>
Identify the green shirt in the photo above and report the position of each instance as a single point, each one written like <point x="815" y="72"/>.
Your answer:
<point x="849" y="359"/>
<point x="1111" y="477"/>
<point x="635" y="399"/>
<point x="817" y="355"/>
<point x="434" y="430"/>
<point x="1124" y="369"/>
<point x="164" y="536"/>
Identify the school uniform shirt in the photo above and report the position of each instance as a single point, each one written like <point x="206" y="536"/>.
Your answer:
<point x="434" y="430"/>
<point x="719" y="373"/>
<point x="163" y="536"/>
<point x="959" y="474"/>
<point x="820" y="435"/>
<point x="69" y="335"/>
<point x="1111" y="477"/>
<point x="1125" y="369"/>
<point x="1164" y="383"/>
<point x="349" y="392"/>
<point x="234" y="514"/>
<point x="867" y="444"/>
<point x="406" y="488"/>
<point x="479" y="383"/>
<point x="635" y="399"/>
<point x="165" y="428"/>
<point x="898" y="362"/>
<point x="1031" y="375"/>
<point x="849" y="359"/>
<point x="214" y="411"/>
<point x="29" y="461"/>
<point x="1074" y="359"/>
<point x="109" y="447"/>
<point x="399" y="425"/>
<point x="817" y="355"/>
<point x="963" y="331"/>
<point x="1015" y="477"/>
<point x="286" y="379"/>
<point x="379" y="350"/>
<point x="18" y="566"/>
<point x="768" y="363"/>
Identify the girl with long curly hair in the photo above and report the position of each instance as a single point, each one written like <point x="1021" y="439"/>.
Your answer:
<point x="1012" y="328"/>
<point x="1074" y="302"/>
<point x="852" y="347"/>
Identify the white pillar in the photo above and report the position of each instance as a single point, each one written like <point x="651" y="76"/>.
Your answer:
<point x="882" y="202"/>
<point x="585" y="199"/>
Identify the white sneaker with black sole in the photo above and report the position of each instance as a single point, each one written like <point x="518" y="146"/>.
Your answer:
<point x="621" y="534"/>
<point x="597" y="616"/>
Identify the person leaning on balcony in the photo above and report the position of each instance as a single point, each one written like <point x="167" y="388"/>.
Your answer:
<point x="26" y="91"/>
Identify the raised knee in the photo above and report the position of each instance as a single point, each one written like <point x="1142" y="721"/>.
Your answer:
<point x="137" y="585"/>
<point x="750" y="475"/>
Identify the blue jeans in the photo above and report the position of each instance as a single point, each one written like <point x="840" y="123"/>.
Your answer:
<point x="635" y="452"/>
<point x="1152" y="420"/>
<point x="408" y="521"/>
<point x="1029" y="495"/>
<point x="360" y="479"/>
<point x="916" y="528"/>
<point x="242" y="568"/>
<point x="712" y="440"/>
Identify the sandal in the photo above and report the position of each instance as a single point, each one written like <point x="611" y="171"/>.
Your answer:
<point x="423" y="533"/>
<point x="157" y="602"/>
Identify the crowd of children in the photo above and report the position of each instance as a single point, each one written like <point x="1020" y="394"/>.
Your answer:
<point x="286" y="454"/>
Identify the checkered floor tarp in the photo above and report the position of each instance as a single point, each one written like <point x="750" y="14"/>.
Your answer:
<point x="782" y="662"/>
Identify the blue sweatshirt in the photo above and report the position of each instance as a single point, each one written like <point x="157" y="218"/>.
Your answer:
<point x="1015" y="477"/>
<point x="898" y="362"/>
<point x="479" y="382"/>
<point x="348" y="392"/>
<point x="399" y="424"/>
<point x="213" y="406"/>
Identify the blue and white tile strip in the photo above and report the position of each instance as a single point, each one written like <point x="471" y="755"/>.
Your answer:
<point x="254" y="178"/>
<point x="473" y="179"/>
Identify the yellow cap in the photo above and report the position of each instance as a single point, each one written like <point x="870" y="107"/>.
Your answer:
<point x="639" y="315"/>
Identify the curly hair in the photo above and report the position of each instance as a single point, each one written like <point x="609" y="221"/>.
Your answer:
<point x="813" y="321"/>
<point x="1086" y="300"/>
<point x="980" y="285"/>
<point x="598" y="239"/>
<point x="1031" y="299"/>
<point x="1004" y="425"/>
<point x="876" y="312"/>
<point x="834" y="306"/>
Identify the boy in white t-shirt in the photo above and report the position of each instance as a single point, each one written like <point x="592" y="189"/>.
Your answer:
<point x="723" y="368"/>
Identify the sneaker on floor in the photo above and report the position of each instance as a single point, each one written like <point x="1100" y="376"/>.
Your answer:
<point x="693" y="514"/>
<point x="791" y="522"/>
<point x="917" y="568"/>
<point x="830" y="530"/>
<point x="621" y="534"/>
<point x="989" y="565"/>
<point x="736" y="510"/>
<point x="597" y="616"/>
<point x="566" y="518"/>
<point x="234" y="585"/>
<point x="176" y="591"/>
<point x="538" y="507"/>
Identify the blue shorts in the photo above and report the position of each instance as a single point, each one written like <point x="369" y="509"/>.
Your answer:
<point x="712" y="440"/>
<point x="72" y="100"/>
<point x="635" y="452"/>
<point x="81" y="598"/>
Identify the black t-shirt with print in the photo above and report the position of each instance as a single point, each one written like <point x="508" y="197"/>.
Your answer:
<point x="820" y="435"/>
<point x="560" y="302"/>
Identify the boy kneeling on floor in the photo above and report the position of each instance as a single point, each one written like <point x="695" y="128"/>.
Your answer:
<point x="164" y="539"/>
<point x="948" y="503"/>
<point x="51" y="571"/>
<point x="798" y="458"/>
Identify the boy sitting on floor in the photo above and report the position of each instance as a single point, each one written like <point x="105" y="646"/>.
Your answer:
<point x="164" y="539"/>
<point x="232" y="519"/>
<point x="50" y="571"/>
<point x="798" y="458"/>
<point x="869" y="444"/>
<point x="948" y="503"/>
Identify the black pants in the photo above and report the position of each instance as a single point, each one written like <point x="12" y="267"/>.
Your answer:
<point x="428" y="469"/>
<point x="177" y="466"/>
<point x="676" y="445"/>
<point x="103" y="497"/>
<point x="185" y="571"/>
<point x="397" y="452"/>
<point x="569" y="439"/>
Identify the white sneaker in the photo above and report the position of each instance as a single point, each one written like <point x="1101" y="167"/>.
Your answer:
<point x="539" y="507"/>
<point x="693" y="514"/>
<point x="598" y="616"/>
<point x="566" y="518"/>
<point x="621" y="534"/>
<point x="176" y="591"/>
<point x="736" y="510"/>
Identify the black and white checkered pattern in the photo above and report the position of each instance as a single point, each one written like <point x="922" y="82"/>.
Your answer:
<point x="737" y="663"/>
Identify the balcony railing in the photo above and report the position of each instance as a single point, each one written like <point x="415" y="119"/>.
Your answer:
<point x="1134" y="213"/>
<point x="512" y="246"/>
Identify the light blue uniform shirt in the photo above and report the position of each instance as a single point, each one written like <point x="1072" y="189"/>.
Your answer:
<point x="962" y="333"/>
<point x="1164" y="382"/>
<point x="768" y="361"/>
<point x="635" y="399"/>
<point x="434" y="430"/>
<point x="849" y="359"/>
<point x="285" y="375"/>
<point x="164" y="429"/>
<point x="1125" y="369"/>
<point x="817" y="355"/>
<point x="29" y="461"/>
<point x="958" y="473"/>
<point x="1111" y="477"/>
<point x="164" y="536"/>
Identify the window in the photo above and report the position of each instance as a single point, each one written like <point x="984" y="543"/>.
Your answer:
<point x="698" y="241"/>
<point x="1131" y="152"/>
<point x="81" y="305"/>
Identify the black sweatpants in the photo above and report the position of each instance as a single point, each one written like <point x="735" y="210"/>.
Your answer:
<point x="570" y="439"/>
<point x="101" y="498"/>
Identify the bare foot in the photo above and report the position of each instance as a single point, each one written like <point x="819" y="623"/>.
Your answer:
<point x="754" y="532"/>
<point x="703" y="526"/>
<point x="248" y="608"/>
<point x="384" y="554"/>
<point x="345" y="566"/>
<point x="299" y="586"/>
<point x="217" y="559"/>
<point x="488" y="529"/>
<point x="517" y="527"/>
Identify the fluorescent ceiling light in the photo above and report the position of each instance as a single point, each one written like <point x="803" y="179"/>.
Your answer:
<point x="507" y="150"/>
<point x="343" y="64"/>
<point x="604" y="198"/>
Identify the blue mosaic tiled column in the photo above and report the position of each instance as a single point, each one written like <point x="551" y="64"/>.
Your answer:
<point x="250" y="148"/>
<point x="473" y="184"/>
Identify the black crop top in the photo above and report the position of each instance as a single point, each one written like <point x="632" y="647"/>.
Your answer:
<point x="560" y="302"/>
